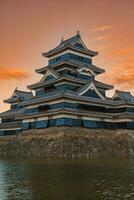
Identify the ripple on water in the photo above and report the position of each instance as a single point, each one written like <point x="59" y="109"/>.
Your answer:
<point x="66" y="179"/>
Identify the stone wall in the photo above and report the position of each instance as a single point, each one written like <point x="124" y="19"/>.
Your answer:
<point x="69" y="142"/>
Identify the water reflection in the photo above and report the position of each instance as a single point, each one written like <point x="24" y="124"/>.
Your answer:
<point x="2" y="181"/>
<point x="16" y="184"/>
<point x="57" y="179"/>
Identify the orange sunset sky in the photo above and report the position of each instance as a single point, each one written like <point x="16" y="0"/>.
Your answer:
<point x="30" y="27"/>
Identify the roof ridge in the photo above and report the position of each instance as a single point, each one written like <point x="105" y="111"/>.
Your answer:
<point x="123" y="91"/>
<point x="75" y="63"/>
<point x="70" y="43"/>
<point x="75" y="36"/>
<point x="23" y="91"/>
<point x="106" y="84"/>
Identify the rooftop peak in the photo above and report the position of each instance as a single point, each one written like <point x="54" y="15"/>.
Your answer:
<point x="75" y="42"/>
<point x="78" y="32"/>
<point x="62" y="40"/>
<point x="71" y="39"/>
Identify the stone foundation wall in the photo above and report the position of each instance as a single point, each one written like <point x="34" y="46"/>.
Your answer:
<point x="69" y="142"/>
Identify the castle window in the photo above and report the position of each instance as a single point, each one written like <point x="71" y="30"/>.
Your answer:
<point x="70" y="56"/>
<point x="8" y="120"/>
<point x="49" y="88"/>
<point x="43" y="108"/>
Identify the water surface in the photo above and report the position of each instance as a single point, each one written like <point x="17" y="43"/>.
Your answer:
<point x="62" y="179"/>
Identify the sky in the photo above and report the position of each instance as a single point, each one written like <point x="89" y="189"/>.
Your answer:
<point x="30" y="27"/>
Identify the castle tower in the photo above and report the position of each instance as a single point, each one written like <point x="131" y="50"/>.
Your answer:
<point x="68" y="93"/>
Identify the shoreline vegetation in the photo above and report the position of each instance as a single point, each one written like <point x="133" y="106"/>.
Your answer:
<point x="68" y="142"/>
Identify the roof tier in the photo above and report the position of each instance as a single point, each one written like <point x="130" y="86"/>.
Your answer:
<point x="68" y="111"/>
<point x="68" y="95"/>
<point x="67" y="78"/>
<point x="70" y="80"/>
<point x="122" y="95"/>
<point x="74" y="43"/>
<point x="71" y="65"/>
<point x="18" y="96"/>
<point x="12" y="113"/>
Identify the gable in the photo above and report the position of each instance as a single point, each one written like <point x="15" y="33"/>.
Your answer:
<point x="14" y="95"/>
<point x="49" y="75"/>
<point x="116" y="98"/>
<point x="123" y="96"/>
<point x="91" y="91"/>
<point x="86" y="71"/>
<point x="77" y="42"/>
<point x="79" y="45"/>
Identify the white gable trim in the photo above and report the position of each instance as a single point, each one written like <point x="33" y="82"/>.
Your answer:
<point x="81" y="71"/>
<point x="48" y="73"/>
<point x="14" y="93"/>
<point x="92" y="87"/>
<point x="82" y="43"/>
<point x="70" y="51"/>
<point x="116" y="95"/>
<point x="79" y="42"/>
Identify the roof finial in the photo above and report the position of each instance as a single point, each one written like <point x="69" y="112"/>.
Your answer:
<point x="62" y="39"/>
<point x="78" y="32"/>
<point x="16" y="89"/>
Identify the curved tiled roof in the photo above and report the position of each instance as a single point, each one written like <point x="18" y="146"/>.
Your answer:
<point x="19" y="95"/>
<point x="71" y="79"/>
<point x="12" y="112"/>
<point x="70" y="43"/>
<point x="72" y="63"/>
<point x="71" y="95"/>
<point x="127" y="96"/>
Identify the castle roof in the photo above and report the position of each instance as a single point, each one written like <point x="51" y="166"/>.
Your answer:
<point x="70" y="79"/>
<point x="104" y="116"/>
<point x="68" y="93"/>
<point x="75" y="43"/>
<point x="74" y="96"/>
<point x="12" y="112"/>
<point x="127" y="96"/>
<point x="19" y="95"/>
<point x="73" y="64"/>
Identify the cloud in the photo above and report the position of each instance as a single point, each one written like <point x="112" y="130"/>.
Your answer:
<point x="101" y="47"/>
<point x="101" y="28"/>
<point x="13" y="73"/>
<point x="125" y="79"/>
<point x="123" y="51"/>
<point x="101" y="37"/>
<point x="123" y="75"/>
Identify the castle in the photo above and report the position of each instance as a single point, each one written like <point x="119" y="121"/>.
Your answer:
<point x="68" y="94"/>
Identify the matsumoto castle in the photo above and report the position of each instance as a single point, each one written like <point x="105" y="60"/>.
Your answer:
<point x="68" y="94"/>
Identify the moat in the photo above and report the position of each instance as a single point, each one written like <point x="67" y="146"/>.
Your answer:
<point x="68" y="179"/>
